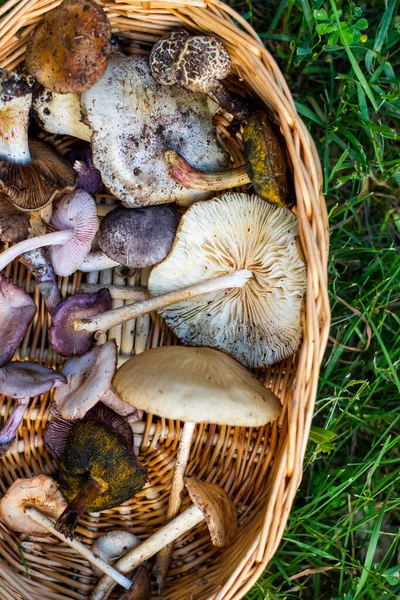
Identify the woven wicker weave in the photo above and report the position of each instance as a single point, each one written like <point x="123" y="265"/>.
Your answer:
<point x="260" y="469"/>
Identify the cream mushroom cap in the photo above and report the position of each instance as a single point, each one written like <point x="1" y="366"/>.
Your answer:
<point x="259" y="323"/>
<point x="198" y="385"/>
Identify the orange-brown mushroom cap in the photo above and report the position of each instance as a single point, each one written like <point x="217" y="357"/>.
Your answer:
<point x="68" y="51"/>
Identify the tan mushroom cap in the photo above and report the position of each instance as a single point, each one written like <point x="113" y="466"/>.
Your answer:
<point x="41" y="492"/>
<point x="259" y="323"/>
<point x="218" y="510"/>
<point x="197" y="385"/>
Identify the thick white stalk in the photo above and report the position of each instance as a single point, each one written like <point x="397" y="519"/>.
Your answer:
<point x="169" y="533"/>
<point x="49" y="239"/>
<point x="42" y="520"/>
<point x="97" y="261"/>
<point x="111" y="318"/>
<point x="14" y="118"/>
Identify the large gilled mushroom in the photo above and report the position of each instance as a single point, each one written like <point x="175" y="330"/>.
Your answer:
<point x="194" y="385"/>
<point x="197" y="63"/>
<point x="32" y="174"/>
<point x="60" y="114"/>
<point x="22" y="381"/>
<point x="134" y="120"/>
<point x="73" y="226"/>
<point x="210" y="504"/>
<point x="68" y="51"/>
<point x="139" y="237"/>
<point x="266" y="166"/>
<point x="89" y="380"/>
<point x="17" y="310"/>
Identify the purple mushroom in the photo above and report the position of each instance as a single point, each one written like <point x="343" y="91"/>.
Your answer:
<point x="89" y="178"/>
<point x="23" y="380"/>
<point x="17" y="310"/>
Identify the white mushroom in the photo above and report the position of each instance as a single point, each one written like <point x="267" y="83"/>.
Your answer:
<point x="112" y="545"/>
<point x="60" y="114"/>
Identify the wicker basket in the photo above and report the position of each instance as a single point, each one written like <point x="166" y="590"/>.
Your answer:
<point x="260" y="469"/>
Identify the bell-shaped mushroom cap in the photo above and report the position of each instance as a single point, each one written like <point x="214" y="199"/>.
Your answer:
<point x="89" y="377"/>
<point x="134" y="119"/>
<point x="23" y="379"/>
<point x="41" y="492"/>
<point x="164" y="54"/>
<point x="259" y="323"/>
<point x="17" y="310"/>
<point x="138" y="237"/>
<point x="62" y="335"/>
<point x="76" y="211"/>
<point x="69" y="49"/>
<point x="113" y="545"/>
<point x="14" y="224"/>
<point x="218" y="510"/>
<point x="200" y="385"/>
<point x="202" y="61"/>
<point x="33" y="185"/>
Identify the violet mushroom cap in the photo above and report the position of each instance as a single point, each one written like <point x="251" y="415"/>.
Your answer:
<point x="138" y="237"/>
<point x="17" y="310"/>
<point x="89" y="177"/>
<point x="62" y="336"/>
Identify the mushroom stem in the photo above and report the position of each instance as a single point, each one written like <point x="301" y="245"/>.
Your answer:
<point x="9" y="431"/>
<point x="111" y="318"/>
<point x="42" y="520"/>
<point x="14" y="118"/>
<point x="97" y="261"/>
<point x="37" y="263"/>
<point x="166" y="535"/>
<point x="194" y="179"/>
<point x="232" y="103"/>
<point x="68" y="520"/>
<point x="48" y="239"/>
<point x="118" y="292"/>
<point x="174" y="504"/>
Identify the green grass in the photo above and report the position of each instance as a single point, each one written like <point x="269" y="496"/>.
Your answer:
<point x="340" y="59"/>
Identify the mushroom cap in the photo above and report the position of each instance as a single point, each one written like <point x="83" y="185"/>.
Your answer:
<point x="23" y="379"/>
<point x="164" y="54"/>
<point x="41" y="492"/>
<point x="138" y="237"/>
<point x="89" y="178"/>
<point x="14" y="224"/>
<point x="266" y="162"/>
<point x="141" y="586"/>
<point x="134" y="119"/>
<point x="76" y="211"/>
<point x="17" y="310"/>
<point x="259" y="323"/>
<point x="62" y="335"/>
<point x="33" y="185"/>
<point x="199" y="385"/>
<point x="69" y="49"/>
<point x="218" y="510"/>
<point x="88" y="378"/>
<point x="113" y="545"/>
<point x="202" y="61"/>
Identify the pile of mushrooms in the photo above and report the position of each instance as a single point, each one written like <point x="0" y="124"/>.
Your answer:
<point x="227" y="274"/>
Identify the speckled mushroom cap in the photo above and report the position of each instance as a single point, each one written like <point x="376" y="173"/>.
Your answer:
<point x="138" y="237"/>
<point x="69" y="49"/>
<point x="199" y="385"/>
<point x="259" y="323"/>
<point x="164" y="55"/>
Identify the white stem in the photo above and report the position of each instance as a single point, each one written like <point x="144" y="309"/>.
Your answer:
<point x="117" y="292"/>
<point x="111" y="318"/>
<point x="42" y="520"/>
<point x="175" y="499"/>
<point x="169" y="533"/>
<point x="49" y="239"/>
<point x="97" y="261"/>
<point x="14" y="117"/>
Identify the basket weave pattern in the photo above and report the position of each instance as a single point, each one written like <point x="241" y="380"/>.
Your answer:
<point x="261" y="468"/>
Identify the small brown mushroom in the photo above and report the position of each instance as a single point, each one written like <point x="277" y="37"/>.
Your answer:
<point x="14" y="224"/>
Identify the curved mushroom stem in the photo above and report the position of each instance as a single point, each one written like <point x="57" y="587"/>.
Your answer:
<point x="42" y="520"/>
<point x="97" y="261"/>
<point x="111" y="318"/>
<point x="68" y="520"/>
<point x="48" y="239"/>
<point x="232" y="103"/>
<point x="174" y="504"/>
<point x="194" y="179"/>
<point x="41" y="269"/>
<point x="9" y="431"/>
<point x="166" y="535"/>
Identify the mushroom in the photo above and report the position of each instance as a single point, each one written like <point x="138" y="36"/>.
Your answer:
<point x="112" y="545"/>
<point x="266" y="166"/>
<point x="89" y="380"/>
<point x="14" y="224"/>
<point x="73" y="226"/>
<point x="134" y="120"/>
<point x="17" y="310"/>
<point x="60" y="114"/>
<point x="89" y="178"/>
<point x="197" y="63"/>
<point x="210" y="504"/>
<point x="68" y="51"/>
<point x="97" y="261"/>
<point x="23" y="380"/>
<point x="194" y="385"/>
<point x="138" y="237"/>
<point x="98" y="468"/>
<point x="32" y="174"/>
<point x="141" y="586"/>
